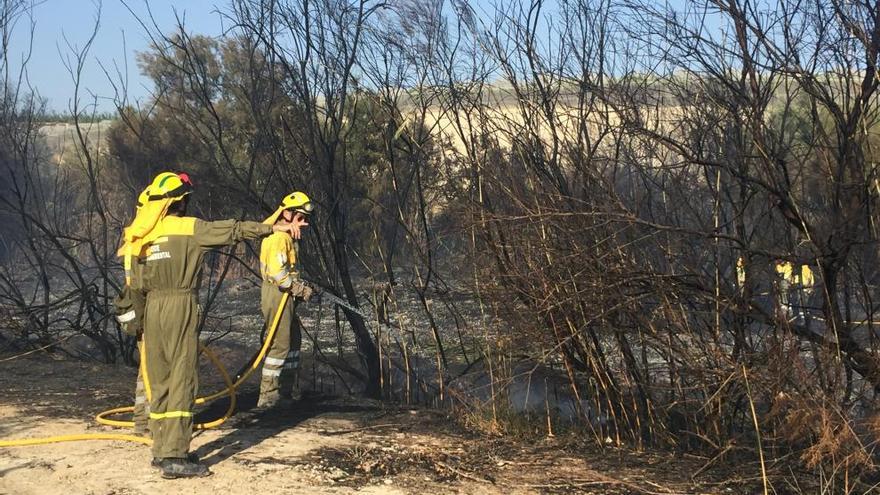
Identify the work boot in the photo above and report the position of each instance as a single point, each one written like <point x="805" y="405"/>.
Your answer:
<point x="295" y="391"/>
<point x="289" y="385"/>
<point x="157" y="461"/>
<point x="140" y="429"/>
<point x="267" y="401"/>
<point x="292" y="394"/>
<point x="175" y="467"/>
<point x="269" y="392"/>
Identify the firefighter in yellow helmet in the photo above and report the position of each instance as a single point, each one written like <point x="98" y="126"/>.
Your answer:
<point x="278" y="260"/>
<point x="170" y="247"/>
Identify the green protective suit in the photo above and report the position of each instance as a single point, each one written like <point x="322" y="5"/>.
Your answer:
<point x="172" y="263"/>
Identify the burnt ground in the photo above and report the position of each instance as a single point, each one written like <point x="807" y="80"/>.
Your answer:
<point x="323" y="444"/>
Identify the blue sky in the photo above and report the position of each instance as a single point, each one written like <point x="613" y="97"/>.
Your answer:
<point x="119" y="37"/>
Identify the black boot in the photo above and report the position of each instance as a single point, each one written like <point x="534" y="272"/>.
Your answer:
<point x="157" y="461"/>
<point x="175" y="467"/>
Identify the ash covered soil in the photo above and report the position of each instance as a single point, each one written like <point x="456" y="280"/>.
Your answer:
<point x="322" y="444"/>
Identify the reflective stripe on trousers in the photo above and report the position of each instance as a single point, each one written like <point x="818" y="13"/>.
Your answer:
<point x="171" y="414"/>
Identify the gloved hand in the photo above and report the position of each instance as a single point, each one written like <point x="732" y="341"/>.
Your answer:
<point x="302" y="290"/>
<point x="130" y="310"/>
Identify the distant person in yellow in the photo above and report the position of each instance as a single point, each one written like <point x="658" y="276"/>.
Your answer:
<point x="172" y="247"/>
<point x="805" y="284"/>
<point x="741" y="273"/>
<point x="279" y="254"/>
<point x="791" y="279"/>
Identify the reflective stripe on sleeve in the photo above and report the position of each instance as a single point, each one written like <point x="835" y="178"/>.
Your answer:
<point x="268" y="372"/>
<point x="274" y="361"/>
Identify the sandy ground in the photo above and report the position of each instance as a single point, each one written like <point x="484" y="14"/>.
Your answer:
<point x="321" y="445"/>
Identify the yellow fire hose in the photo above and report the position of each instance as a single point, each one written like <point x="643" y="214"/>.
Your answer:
<point x="229" y="390"/>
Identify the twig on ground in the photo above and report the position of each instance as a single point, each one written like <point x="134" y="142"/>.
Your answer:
<point x="363" y="428"/>
<point x="463" y="474"/>
<point x="712" y="460"/>
<point x="38" y="349"/>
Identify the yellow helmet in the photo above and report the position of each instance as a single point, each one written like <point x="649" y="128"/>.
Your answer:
<point x="153" y="204"/>
<point x="297" y="201"/>
<point x="169" y="185"/>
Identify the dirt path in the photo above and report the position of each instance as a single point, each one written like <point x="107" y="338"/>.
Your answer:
<point x="323" y="445"/>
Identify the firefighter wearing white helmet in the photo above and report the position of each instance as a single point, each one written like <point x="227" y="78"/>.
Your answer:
<point x="278" y="266"/>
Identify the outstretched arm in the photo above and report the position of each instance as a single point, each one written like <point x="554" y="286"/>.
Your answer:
<point x="227" y="232"/>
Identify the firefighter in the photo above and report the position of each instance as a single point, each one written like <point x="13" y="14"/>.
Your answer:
<point x="171" y="247"/>
<point x="796" y="284"/>
<point x="278" y="263"/>
<point x="804" y="283"/>
<point x="784" y="276"/>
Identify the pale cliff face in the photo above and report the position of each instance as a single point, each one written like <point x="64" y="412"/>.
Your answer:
<point x="61" y="138"/>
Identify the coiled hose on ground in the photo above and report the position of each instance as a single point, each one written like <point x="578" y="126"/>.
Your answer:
<point x="230" y="389"/>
